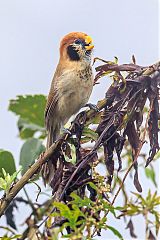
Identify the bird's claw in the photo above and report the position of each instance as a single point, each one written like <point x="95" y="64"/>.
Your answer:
<point x="92" y="106"/>
<point x="66" y="131"/>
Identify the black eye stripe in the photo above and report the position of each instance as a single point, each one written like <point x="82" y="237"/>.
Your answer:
<point x="72" y="53"/>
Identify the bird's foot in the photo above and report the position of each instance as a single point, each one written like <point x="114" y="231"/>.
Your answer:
<point x="66" y="131"/>
<point x="92" y="106"/>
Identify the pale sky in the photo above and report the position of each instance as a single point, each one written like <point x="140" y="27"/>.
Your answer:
<point x="30" y="34"/>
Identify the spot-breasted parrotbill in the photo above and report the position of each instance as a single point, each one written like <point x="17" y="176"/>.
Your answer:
<point x="70" y="89"/>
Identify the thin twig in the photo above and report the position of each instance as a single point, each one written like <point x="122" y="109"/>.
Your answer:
<point x="39" y="190"/>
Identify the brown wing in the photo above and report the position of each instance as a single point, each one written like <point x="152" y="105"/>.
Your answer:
<point x="52" y="98"/>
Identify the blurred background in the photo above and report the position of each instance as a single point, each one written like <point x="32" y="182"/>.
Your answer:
<point x="29" y="52"/>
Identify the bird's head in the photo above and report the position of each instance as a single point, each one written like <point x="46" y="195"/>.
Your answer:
<point x="76" y="46"/>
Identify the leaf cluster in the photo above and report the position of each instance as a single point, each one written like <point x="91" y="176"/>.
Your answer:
<point x="82" y="194"/>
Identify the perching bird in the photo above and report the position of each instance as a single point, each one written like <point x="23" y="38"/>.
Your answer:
<point x="70" y="89"/>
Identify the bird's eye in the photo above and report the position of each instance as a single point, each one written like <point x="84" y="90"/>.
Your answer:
<point x="78" y="41"/>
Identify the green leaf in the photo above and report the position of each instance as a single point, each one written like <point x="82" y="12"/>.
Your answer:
<point x="76" y="213"/>
<point x="95" y="120"/>
<point x="7" y="179"/>
<point x="72" y="152"/>
<point x="87" y="132"/>
<point x="143" y="201"/>
<point x="115" y="60"/>
<point x="30" y="108"/>
<point x="30" y="150"/>
<point x="7" y="162"/>
<point x="157" y="221"/>
<point x="157" y="156"/>
<point x="79" y="201"/>
<point x="64" y="209"/>
<point x="17" y="236"/>
<point x="110" y="208"/>
<point x="26" y="133"/>
<point x="115" y="231"/>
<point x="27" y="130"/>
<point x="150" y="173"/>
<point x="85" y="140"/>
<point x="93" y="186"/>
<point x="70" y="215"/>
<point x="3" y="184"/>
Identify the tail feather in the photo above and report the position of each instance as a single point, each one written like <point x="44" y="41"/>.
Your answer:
<point x="49" y="168"/>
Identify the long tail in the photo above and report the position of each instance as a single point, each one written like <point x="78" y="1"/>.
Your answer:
<point x="49" y="168"/>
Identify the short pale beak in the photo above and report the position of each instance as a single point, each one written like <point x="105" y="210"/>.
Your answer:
<point x="88" y="40"/>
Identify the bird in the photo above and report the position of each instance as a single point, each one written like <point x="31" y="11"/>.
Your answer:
<point x="70" y="89"/>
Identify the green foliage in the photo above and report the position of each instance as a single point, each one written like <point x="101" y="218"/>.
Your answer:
<point x="149" y="203"/>
<point x="70" y="153"/>
<point x="7" y="180"/>
<point x="7" y="162"/>
<point x="157" y="156"/>
<point x="30" y="109"/>
<point x="27" y="129"/>
<point x="116" y="233"/>
<point x="17" y="236"/>
<point x="150" y="173"/>
<point x="145" y="207"/>
<point x="90" y="134"/>
<point x="71" y="215"/>
<point x="80" y="214"/>
<point x="83" y="215"/>
<point x="30" y="150"/>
